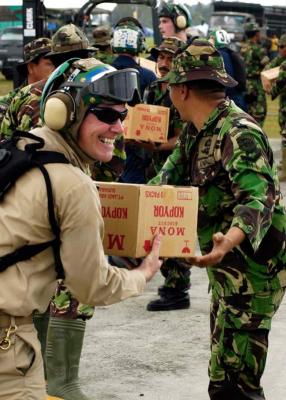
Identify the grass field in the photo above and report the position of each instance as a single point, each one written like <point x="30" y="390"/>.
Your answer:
<point x="271" y="125"/>
<point x="5" y="86"/>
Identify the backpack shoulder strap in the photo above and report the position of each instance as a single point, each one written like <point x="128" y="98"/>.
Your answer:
<point x="37" y="160"/>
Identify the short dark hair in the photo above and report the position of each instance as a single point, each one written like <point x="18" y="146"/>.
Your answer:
<point x="37" y="59"/>
<point x="205" y="85"/>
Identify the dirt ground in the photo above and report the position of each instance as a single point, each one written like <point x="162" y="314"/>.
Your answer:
<point x="130" y="353"/>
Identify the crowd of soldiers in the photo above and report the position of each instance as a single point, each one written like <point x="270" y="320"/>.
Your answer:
<point x="180" y="61"/>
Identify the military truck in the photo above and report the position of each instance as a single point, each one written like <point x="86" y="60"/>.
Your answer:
<point x="144" y="10"/>
<point x="232" y="16"/>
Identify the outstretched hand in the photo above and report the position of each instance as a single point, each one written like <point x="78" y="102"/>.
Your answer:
<point x="151" y="263"/>
<point x="221" y="246"/>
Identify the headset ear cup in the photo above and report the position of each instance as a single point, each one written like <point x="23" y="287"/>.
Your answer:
<point x="181" y="22"/>
<point x="59" y="110"/>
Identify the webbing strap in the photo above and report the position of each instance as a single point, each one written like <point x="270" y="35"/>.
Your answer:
<point x="22" y="254"/>
<point x="54" y="225"/>
<point x="38" y="158"/>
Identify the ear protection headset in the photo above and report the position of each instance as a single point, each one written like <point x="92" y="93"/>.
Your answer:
<point x="58" y="107"/>
<point x="180" y="19"/>
<point x="59" y="110"/>
<point x="179" y="14"/>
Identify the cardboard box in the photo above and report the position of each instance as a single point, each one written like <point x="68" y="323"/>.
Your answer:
<point x="268" y="76"/>
<point x="133" y="214"/>
<point x="147" y="122"/>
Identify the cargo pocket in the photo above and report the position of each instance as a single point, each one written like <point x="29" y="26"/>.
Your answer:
<point x="24" y="353"/>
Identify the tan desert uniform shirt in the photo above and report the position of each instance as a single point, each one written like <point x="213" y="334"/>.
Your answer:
<point x="29" y="285"/>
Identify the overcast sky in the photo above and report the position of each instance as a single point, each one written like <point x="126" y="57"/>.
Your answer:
<point x="79" y="3"/>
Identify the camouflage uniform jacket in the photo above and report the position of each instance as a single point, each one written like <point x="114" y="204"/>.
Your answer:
<point x="255" y="58"/>
<point x="24" y="111"/>
<point x="279" y="89"/>
<point x="155" y="95"/>
<point x="104" y="57"/>
<point x="231" y="162"/>
<point x="279" y="86"/>
<point x="6" y="100"/>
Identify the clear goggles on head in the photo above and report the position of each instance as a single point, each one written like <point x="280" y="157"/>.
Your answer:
<point x="120" y="86"/>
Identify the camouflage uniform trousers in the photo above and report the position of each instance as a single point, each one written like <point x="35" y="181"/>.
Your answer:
<point x="176" y="273"/>
<point x="64" y="305"/>
<point x="240" y="325"/>
<point x="256" y="99"/>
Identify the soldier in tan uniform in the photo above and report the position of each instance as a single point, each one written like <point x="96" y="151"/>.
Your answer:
<point x="67" y="316"/>
<point x="82" y="130"/>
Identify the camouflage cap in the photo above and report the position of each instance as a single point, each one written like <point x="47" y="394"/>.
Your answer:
<point x="199" y="60"/>
<point x="251" y="27"/>
<point x="69" y="38"/>
<point x="34" y="49"/>
<point x="102" y="36"/>
<point x="168" y="45"/>
<point x="282" y="40"/>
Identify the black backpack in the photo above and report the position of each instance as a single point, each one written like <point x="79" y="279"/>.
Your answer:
<point x="13" y="164"/>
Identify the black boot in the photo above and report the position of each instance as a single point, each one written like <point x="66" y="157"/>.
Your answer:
<point x="170" y="299"/>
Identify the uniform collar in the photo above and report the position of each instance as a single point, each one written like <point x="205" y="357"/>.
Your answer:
<point x="216" y="113"/>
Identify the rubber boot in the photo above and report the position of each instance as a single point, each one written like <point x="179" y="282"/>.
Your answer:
<point x="41" y="322"/>
<point x="170" y="299"/>
<point x="282" y="172"/>
<point x="64" y="346"/>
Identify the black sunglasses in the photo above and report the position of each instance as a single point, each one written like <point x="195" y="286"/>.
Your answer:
<point x="108" y="115"/>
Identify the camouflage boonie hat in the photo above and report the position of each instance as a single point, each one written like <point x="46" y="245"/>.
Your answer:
<point x="198" y="61"/>
<point x="69" y="38"/>
<point x="282" y="40"/>
<point x="102" y="36"/>
<point x="251" y="27"/>
<point x="34" y="49"/>
<point x="168" y="45"/>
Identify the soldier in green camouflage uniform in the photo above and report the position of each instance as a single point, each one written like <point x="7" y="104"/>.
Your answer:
<point x="174" y="294"/>
<point x="5" y="102"/>
<point x="34" y="67"/>
<point x="255" y="57"/>
<point x="102" y="41"/>
<point x="279" y="89"/>
<point x="241" y="221"/>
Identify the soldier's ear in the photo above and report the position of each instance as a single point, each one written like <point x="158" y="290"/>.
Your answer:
<point x="184" y="91"/>
<point x="31" y="68"/>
